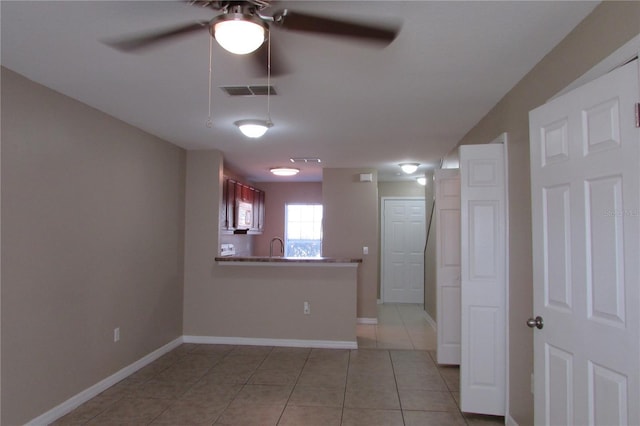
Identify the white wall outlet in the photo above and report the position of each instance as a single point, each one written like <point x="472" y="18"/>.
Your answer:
<point x="116" y="334"/>
<point x="306" y="308"/>
<point x="365" y="250"/>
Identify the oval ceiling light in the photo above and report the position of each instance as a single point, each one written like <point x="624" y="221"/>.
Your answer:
<point x="284" y="171"/>
<point x="238" y="33"/>
<point x="253" y="128"/>
<point x="422" y="180"/>
<point x="409" y="168"/>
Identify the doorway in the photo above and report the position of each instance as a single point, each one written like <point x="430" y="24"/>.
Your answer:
<point x="403" y="239"/>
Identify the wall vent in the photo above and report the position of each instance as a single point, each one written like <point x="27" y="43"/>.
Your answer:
<point x="254" y="90"/>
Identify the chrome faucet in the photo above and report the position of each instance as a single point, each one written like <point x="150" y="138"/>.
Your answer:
<point x="271" y="246"/>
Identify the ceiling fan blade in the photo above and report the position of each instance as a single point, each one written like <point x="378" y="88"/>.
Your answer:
<point x="325" y="25"/>
<point x="149" y="39"/>
<point x="260" y="59"/>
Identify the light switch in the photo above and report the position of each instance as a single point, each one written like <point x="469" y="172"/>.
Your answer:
<point x="365" y="250"/>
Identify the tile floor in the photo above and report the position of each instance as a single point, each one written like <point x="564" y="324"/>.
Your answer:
<point x="390" y="380"/>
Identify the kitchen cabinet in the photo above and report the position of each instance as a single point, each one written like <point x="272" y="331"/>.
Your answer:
<point x="242" y="208"/>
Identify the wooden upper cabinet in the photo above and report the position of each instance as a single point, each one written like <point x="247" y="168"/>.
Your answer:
<point x="239" y="197"/>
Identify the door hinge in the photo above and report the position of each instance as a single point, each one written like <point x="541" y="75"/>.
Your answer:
<point x="638" y="115"/>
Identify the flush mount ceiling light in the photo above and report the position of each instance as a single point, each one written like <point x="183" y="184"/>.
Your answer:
<point x="284" y="171"/>
<point x="238" y="33"/>
<point x="422" y="180"/>
<point x="409" y="168"/>
<point x="253" y="128"/>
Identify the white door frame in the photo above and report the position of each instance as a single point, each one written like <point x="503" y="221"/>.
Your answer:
<point x="382" y="238"/>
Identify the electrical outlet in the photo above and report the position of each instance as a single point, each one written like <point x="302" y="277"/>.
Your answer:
<point x="306" y="308"/>
<point x="116" y="334"/>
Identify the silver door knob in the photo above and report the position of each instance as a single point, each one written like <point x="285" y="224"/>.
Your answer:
<point x="535" y="322"/>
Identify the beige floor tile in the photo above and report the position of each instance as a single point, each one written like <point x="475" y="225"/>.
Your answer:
<point x="395" y="344"/>
<point x="371" y="381"/>
<point x="456" y="396"/>
<point x="411" y="356"/>
<point x="433" y="418"/>
<point x="311" y="416"/>
<point x="263" y="395"/>
<point x="427" y="400"/>
<point x="249" y="350"/>
<point x="274" y="377"/>
<point x="163" y="389"/>
<point x="366" y="342"/>
<point x="186" y="412"/>
<point x="369" y="417"/>
<point x="250" y="415"/>
<point x="407" y="367"/>
<point x="131" y="411"/>
<point x="317" y="397"/>
<point x="124" y="388"/>
<point x="431" y="381"/>
<point x="212" y="392"/>
<point x="325" y="379"/>
<point x="451" y="376"/>
<point x="87" y="411"/>
<point x="372" y="398"/>
<point x="245" y="385"/>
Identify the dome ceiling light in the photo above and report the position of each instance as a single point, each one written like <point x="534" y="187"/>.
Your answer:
<point x="284" y="171"/>
<point x="409" y="168"/>
<point x="238" y="32"/>
<point x="253" y="128"/>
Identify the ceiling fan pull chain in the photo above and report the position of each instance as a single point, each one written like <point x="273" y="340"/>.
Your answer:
<point x="209" y="120"/>
<point x="269" y="76"/>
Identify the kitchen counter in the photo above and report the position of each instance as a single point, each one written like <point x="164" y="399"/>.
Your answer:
<point x="290" y="261"/>
<point x="283" y="301"/>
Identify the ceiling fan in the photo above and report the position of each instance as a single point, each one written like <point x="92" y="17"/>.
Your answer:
<point x="242" y="28"/>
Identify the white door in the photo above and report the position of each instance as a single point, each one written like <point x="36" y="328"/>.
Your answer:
<point x="483" y="286"/>
<point x="447" y="214"/>
<point x="586" y="213"/>
<point x="403" y="251"/>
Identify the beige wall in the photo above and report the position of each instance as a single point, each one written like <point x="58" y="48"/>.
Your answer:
<point x="350" y="223"/>
<point x="92" y="228"/>
<point x="254" y="301"/>
<point x="277" y="196"/>
<point x="400" y="189"/>
<point x="602" y="32"/>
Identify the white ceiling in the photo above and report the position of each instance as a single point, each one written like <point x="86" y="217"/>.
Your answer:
<point x="348" y="103"/>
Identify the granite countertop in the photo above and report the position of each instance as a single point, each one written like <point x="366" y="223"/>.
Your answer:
<point x="279" y="259"/>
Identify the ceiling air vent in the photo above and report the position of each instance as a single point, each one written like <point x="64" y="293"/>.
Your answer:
<point x="305" y="160"/>
<point x="255" y="90"/>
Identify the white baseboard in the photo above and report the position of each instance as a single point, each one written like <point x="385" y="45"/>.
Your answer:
<point x="294" y="343"/>
<point x="509" y="421"/>
<point x="82" y="397"/>
<point x="430" y="320"/>
<point x="373" y="321"/>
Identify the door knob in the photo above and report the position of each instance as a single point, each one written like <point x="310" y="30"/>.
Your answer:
<point x="535" y="322"/>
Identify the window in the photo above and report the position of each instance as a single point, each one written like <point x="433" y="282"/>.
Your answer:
<point x="303" y="230"/>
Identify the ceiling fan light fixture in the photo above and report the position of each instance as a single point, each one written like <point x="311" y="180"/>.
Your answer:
<point x="409" y="168"/>
<point x="253" y="128"/>
<point x="238" y="33"/>
<point x="284" y="171"/>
